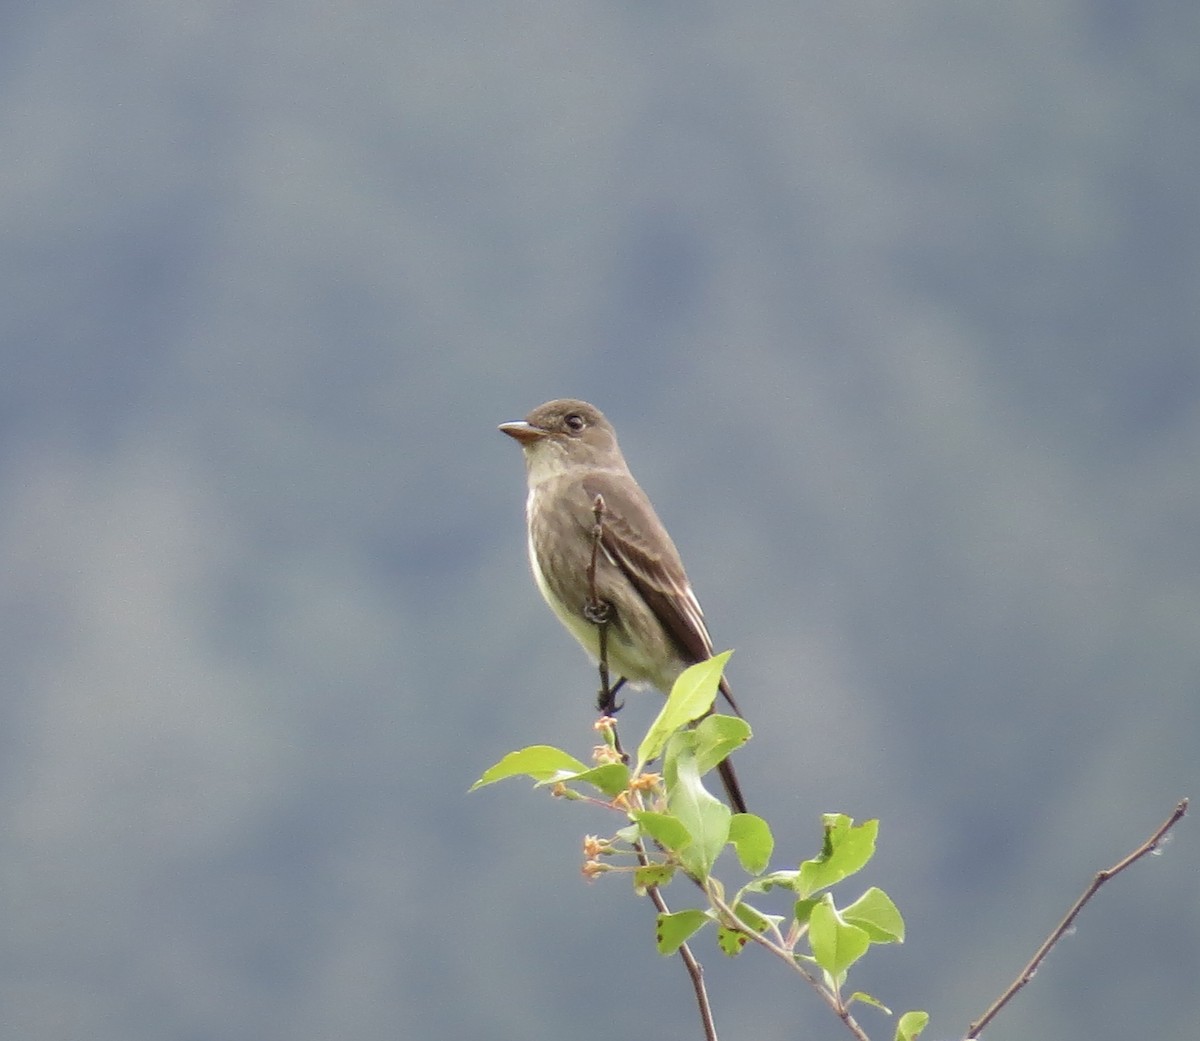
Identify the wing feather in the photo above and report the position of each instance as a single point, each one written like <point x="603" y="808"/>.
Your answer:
<point x="636" y="542"/>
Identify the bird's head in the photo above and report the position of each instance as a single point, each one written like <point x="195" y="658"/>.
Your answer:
<point x="565" y="432"/>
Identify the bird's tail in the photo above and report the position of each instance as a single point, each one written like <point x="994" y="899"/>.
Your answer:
<point x="728" y="695"/>
<point x="732" y="789"/>
<point x="728" y="778"/>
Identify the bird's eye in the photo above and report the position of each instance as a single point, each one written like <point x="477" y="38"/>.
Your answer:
<point x="574" y="421"/>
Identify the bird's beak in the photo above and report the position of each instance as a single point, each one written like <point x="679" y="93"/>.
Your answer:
<point x="524" y="432"/>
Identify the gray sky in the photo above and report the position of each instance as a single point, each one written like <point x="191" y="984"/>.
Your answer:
<point x="895" y="310"/>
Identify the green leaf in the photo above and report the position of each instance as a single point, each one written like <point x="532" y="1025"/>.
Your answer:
<point x="847" y="849"/>
<point x="611" y="778"/>
<point x="866" y="999"/>
<point x="910" y="1025"/>
<point x="803" y="909"/>
<point x="673" y="930"/>
<point x="691" y="696"/>
<point x="752" y="841"/>
<point x="652" y="875"/>
<point x="664" y="829"/>
<point x="541" y="762"/>
<point x="775" y="880"/>
<point x="835" y="943"/>
<point x="705" y="818"/>
<point x="683" y="743"/>
<point x="717" y="737"/>
<point x="754" y="918"/>
<point x="731" y="942"/>
<point x="875" y="913"/>
<point x="630" y="834"/>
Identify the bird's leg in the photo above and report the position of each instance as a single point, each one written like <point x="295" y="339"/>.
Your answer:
<point x="610" y="706"/>
<point x="599" y="612"/>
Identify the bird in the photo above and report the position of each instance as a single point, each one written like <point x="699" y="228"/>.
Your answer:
<point x="655" y="627"/>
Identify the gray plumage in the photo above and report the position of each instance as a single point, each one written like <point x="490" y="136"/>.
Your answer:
<point x="657" y="629"/>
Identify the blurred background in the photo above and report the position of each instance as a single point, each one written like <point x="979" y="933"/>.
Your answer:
<point x="896" y="310"/>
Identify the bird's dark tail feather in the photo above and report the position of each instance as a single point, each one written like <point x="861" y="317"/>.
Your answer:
<point x="728" y="695"/>
<point x="728" y="777"/>
<point x="732" y="789"/>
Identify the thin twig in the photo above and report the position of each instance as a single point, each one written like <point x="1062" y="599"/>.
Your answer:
<point x="1027" y="973"/>
<point x="694" y="969"/>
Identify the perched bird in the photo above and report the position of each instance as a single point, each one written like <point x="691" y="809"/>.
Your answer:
<point x="655" y="628"/>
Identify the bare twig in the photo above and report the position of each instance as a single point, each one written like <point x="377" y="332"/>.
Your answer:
<point x="1026" y="974"/>
<point x="695" y="970"/>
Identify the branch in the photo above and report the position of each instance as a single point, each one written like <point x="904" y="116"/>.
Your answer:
<point x="1026" y="974"/>
<point x="694" y="969"/>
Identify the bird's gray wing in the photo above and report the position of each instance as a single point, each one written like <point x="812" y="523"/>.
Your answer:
<point x="635" y="540"/>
